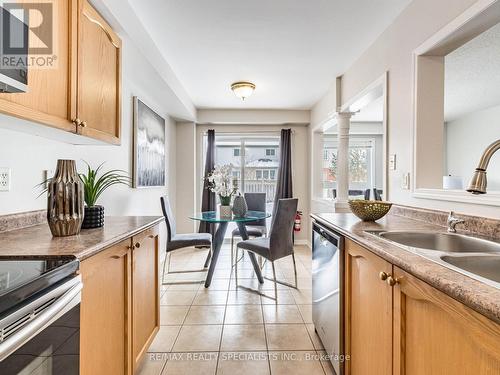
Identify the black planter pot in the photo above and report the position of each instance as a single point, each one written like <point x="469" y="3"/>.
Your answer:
<point x="94" y="217"/>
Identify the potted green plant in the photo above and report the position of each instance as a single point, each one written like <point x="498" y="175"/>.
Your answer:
<point x="93" y="186"/>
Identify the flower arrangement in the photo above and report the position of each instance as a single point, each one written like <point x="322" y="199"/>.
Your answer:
<point x="221" y="182"/>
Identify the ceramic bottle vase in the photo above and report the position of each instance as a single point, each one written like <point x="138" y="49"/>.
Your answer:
<point x="65" y="204"/>
<point x="240" y="206"/>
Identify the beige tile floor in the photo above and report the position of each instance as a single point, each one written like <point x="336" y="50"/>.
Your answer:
<point x="225" y="330"/>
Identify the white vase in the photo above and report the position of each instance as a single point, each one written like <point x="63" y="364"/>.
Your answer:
<point x="225" y="211"/>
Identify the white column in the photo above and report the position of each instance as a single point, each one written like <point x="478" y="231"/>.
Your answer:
<point x="343" y="125"/>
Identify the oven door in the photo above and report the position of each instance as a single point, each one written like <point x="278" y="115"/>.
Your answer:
<point x="42" y="337"/>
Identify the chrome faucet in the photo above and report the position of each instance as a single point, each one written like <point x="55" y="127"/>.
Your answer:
<point x="452" y="222"/>
<point x="478" y="182"/>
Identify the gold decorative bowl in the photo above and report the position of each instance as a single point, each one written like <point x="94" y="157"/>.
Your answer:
<point x="369" y="210"/>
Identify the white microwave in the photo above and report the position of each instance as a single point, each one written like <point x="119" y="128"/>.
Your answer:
<point x="13" y="53"/>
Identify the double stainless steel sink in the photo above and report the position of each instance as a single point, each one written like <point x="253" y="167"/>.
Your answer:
<point x="475" y="257"/>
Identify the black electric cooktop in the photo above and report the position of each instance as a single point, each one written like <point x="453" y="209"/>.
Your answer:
<point x="23" y="278"/>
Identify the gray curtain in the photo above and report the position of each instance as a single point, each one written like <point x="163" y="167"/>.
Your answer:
<point x="284" y="182"/>
<point x="208" y="197"/>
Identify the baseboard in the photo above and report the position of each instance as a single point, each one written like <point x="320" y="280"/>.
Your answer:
<point x="303" y="242"/>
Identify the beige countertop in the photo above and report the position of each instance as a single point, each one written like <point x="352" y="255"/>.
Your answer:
<point x="479" y="296"/>
<point x="37" y="240"/>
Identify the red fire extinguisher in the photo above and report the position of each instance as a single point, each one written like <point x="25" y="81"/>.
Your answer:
<point x="298" y="221"/>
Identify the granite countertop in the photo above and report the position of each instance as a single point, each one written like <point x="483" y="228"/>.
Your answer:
<point x="479" y="296"/>
<point x="33" y="241"/>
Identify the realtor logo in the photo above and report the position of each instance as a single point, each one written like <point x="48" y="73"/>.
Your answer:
<point x="38" y="34"/>
<point x="28" y="35"/>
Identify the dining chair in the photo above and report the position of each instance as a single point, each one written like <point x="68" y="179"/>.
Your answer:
<point x="257" y="228"/>
<point x="180" y="241"/>
<point x="377" y="194"/>
<point x="279" y="244"/>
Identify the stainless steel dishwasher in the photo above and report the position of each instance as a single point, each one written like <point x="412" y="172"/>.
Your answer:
<point x="327" y="291"/>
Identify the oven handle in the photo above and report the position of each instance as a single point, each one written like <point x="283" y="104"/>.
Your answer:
<point x="62" y="305"/>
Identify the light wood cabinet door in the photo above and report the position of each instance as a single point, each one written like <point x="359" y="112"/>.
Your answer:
<point x="99" y="76"/>
<point x="105" y="312"/>
<point x="145" y="292"/>
<point x="437" y="335"/>
<point x="368" y="313"/>
<point x="51" y="96"/>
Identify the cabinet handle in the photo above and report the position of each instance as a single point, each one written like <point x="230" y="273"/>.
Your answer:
<point x="392" y="281"/>
<point x="77" y="121"/>
<point x="383" y="275"/>
<point x="131" y="247"/>
<point x="138" y="245"/>
<point x="151" y="236"/>
<point x="83" y="124"/>
<point x="118" y="256"/>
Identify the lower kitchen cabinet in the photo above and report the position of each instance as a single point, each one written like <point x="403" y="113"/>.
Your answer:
<point x="120" y="305"/>
<point x="437" y="335"/>
<point x="105" y="313"/>
<point x="368" y="320"/>
<point x="397" y="324"/>
<point x="145" y="293"/>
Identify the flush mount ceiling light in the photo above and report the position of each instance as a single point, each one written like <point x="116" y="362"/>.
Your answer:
<point x="243" y="89"/>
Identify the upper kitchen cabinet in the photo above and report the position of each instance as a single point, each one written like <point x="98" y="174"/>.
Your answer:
<point x="78" y="88"/>
<point x="51" y="95"/>
<point x="99" y="76"/>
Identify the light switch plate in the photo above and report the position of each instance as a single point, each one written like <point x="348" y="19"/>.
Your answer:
<point x="4" y="179"/>
<point x="406" y="182"/>
<point x="392" y="162"/>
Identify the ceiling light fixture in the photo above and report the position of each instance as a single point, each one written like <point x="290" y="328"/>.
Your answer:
<point x="243" y="89"/>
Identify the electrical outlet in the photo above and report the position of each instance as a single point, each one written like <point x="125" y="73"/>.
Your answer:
<point x="392" y="162"/>
<point x="4" y="179"/>
<point x="406" y="182"/>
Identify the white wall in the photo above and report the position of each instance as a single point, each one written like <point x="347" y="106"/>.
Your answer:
<point x="186" y="176"/>
<point x="466" y="139"/>
<point x="393" y="52"/>
<point x="28" y="155"/>
<point x="252" y="116"/>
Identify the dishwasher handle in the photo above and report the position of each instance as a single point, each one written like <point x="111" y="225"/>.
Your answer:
<point x="328" y="234"/>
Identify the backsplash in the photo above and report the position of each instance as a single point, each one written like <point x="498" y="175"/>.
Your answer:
<point x="473" y="224"/>
<point x="22" y="220"/>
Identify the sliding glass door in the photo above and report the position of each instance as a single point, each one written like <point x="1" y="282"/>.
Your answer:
<point x="254" y="158"/>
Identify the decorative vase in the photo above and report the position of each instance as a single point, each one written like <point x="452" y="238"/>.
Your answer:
<point x="240" y="207"/>
<point x="65" y="200"/>
<point x="225" y="211"/>
<point x="225" y="208"/>
<point x="94" y="217"/>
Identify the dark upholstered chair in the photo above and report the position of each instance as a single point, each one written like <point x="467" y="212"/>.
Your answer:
<point x="278" y="245"/>
<point x="258" y="228"/>
<point x="377" y="194"/>
<point x="179" y="241"/>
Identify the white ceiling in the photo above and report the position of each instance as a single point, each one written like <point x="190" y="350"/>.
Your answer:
<point x="472" y="79"/>
<point x="291" y="49"/>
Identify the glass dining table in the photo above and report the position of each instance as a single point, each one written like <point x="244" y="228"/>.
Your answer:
<point x="223" y="221"/>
